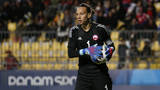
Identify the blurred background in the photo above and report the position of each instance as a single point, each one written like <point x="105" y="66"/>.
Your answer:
<point x="34" y="37"/>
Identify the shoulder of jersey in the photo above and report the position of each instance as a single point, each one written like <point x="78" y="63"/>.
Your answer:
<point x="72" y="30"/>
<point x="74" y="27"/>
<point x="101" y="26"/>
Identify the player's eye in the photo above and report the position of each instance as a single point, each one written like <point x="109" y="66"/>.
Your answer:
<point x="76" y="14"/>
<point x="82" y="13"/>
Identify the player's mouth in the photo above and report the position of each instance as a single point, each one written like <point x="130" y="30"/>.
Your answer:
<point x="80" y="21"/>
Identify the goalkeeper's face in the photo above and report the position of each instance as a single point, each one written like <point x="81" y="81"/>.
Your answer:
<point x="82" y="16"/>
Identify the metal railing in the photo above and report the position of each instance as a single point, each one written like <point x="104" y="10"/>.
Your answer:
<point x="47" y="50"/>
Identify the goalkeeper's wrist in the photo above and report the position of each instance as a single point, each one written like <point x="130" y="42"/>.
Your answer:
<point x="83" y="51"/>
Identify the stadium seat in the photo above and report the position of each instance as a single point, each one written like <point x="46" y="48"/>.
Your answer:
<point x="73" y="66"/>
<point x="45" y="66"/>
<point x="153" y="66"/>
<point x="26" y="46"/>
<point x="24" y="55"/>
<point x="142" y="65"/>
<point x="56" y="49"/>
<point x="45" y="46"/>
<point x="0" y="66"/>
<point x="35" y="46"/>
<point x="51" y="56"/>
<point x="25" y="50"/>
<point x="42" y="37"/>
<point x="35" y="55"/>
<point x="141" y="45"/>
<point x="5" y="46"/>
<point x="157" y="6"/>
<point x="36" y="66"/>
<point x="73" y="59"/>
<point x="155" y="46"/>
<point x="26" y="67"/>
<point x="112" y="66"/>
<point x="15" y="46"/>
<point x="58" y="66"/>
<point x="114" y="35"/>
<point x="130" y="65"/>
<point x="115" y="56"/>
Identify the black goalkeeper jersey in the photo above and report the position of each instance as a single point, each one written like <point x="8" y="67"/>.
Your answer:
<point x="80" y="39"/>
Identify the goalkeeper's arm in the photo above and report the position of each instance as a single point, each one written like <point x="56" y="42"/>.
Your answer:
<point x="110" y="49"/>
<point x="72" y="49"/>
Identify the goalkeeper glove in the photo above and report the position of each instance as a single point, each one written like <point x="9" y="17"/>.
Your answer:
<point x="90" y="50"/>
<point x="107" y="52"/>
<point x="98" y="54"/>
<point x="104" y="56"/>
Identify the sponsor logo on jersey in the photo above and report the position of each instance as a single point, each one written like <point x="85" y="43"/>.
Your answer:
<point x="106" y="87"/>
<point x="79" y="38"/>
<point x="95" y="37"/>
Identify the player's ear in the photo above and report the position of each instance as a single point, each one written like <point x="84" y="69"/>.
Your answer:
<point x="89" y="15"/>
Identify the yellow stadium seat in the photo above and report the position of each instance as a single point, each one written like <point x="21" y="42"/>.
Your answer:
<point x="114" y="35"/>
<point x="141" y="46"/>
<point x="17" y="53"/>
<point x="73" y="66"/>
<point x="5" y="46"/>
<point x="157" y="6"/>
<point x="158" y="22"/>
<point x="73" y="59"/>
<point x="25" y="67"/>
<point x="34" y="66"/>
<point x="142" y="65"/>
<point x="47" y="66"/>
<point x="1" y="66"/>
<point x="15" y="46"/>
<point x="24" y="55"/>
<point x="115" y="56"/>
<point x="153" y="66"/>
<point x="120" y="24"/>
<point x="45" y="46"/>
<point x="34" y="55"/>
<point x="25" y="50"/>
<point x="58" y="66"/>
<point x="51" y="55"/>
<point x="50" y="67"/>
<point x="26" y="45"/>
<point x="56" y="45"/>
<point x="42" y="37"/>
<point x="130" y="66"/>
<point x="155" y="46"/>
<point x="116" y="44"/>
<point x="158" y="66"/>
<point x="11" y="26"/>
<point x="112" y="66"/>
<point x="35" y="46"/>
<point x="38" y="66"/>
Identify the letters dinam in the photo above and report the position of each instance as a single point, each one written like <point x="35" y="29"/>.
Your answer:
<point x="40" y="81"/>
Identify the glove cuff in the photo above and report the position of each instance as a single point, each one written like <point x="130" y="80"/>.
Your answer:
<point x="83" y="51"/>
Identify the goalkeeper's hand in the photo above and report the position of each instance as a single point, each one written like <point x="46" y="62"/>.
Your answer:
<point x="107" y="52"/>
<point x="105" y="55"/>
<point x="93" y="50"/>
<point x="98" y="54"/>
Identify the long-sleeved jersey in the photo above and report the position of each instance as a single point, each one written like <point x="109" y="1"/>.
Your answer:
<point x="80" y="39"/>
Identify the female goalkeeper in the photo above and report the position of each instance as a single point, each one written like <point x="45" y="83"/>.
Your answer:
<point x="92" y="44"/>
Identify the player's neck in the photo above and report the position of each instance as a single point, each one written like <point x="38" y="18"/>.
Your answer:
<point x="86" y="27"/>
